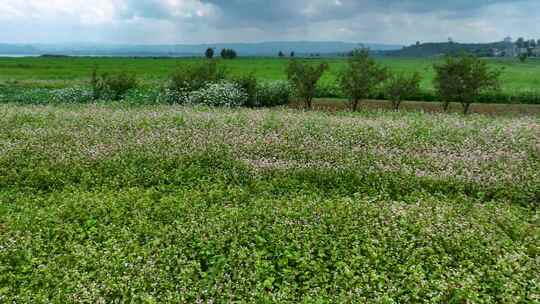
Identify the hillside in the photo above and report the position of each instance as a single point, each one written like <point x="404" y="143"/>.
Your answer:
<point x="438" y="49"/>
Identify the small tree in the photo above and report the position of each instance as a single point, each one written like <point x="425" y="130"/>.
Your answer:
<point x="401" y="87"/>
<point x="304" y="77"/>
<point x="209" y="53"/>
<point x="280" y="54"/>
<point x="523" y="57"/>
<point x="293" y="54"/>
<point x="462" y="79"/>
<point x="361" y="77"/>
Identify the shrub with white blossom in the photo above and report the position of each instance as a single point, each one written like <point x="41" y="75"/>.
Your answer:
<point x="219" y="94"/>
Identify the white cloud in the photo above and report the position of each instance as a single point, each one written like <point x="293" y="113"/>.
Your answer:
<point x="194" y="21"/>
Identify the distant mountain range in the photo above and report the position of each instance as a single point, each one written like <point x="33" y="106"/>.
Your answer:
<point x="179" y="50"/>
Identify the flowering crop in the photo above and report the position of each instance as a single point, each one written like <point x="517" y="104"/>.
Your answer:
<point x="181" y="204"/>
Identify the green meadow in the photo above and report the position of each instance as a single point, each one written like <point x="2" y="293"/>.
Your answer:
<point x="517" y="76"/>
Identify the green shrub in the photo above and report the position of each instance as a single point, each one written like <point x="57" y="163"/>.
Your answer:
<point x="225" y="94"/>
<point x="112" y="86"/>
<point x="192" y="77"/>
<point x="274" y="93"/>
<point x="248" y="83"/>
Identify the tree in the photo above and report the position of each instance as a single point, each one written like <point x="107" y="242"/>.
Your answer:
<point x="361" y="77"/>
<point x="538" y="42"/>
<point x="280" y="54"/>
<point x="520" y="43"/>
<point x="293" y="54"/>
<point x="523" y="57"/>
<point x="209" y="53"/>
<point x="228" y="54"/>
<point x="463" y="79"/>
<point x="401" y="87"/>
<point x="304" y="77"/>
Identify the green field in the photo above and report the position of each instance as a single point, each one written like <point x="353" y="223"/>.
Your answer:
<point x="517" y="77"/>
<point x="172" y="204"/>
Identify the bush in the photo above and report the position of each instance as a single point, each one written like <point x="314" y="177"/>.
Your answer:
<point x="274" y="93"/>
<point x="328" y="89"/>
<point x="248" y="83"/>
<point x="226" y="94"/>
<point x="71" y="95"/>
<point x="193" y="77"/>
<point x="112" y="86"/>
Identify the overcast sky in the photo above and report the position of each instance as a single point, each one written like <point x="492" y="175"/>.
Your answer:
<point x="210" y="21"/>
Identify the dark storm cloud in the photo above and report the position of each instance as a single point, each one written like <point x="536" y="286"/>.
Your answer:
<point x="265" y="11"/>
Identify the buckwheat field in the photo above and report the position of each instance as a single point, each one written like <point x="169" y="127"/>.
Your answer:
<point x="181" y="204"/>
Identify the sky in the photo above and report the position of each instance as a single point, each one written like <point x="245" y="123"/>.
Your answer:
<point x="213" y="21"/>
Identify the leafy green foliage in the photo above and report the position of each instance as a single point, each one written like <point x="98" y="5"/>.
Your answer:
<point x="274" y="93"/>
<point x="463" y="79"/>
<point x="248" y="83"/>
<point x="112" y="86"/>
<point x="304" y="78"/>
<point x="401" y="87"/>
<point x="192" y="77"/>
<point x="361" y="77"/>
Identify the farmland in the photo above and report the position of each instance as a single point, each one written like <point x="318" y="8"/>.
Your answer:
<point x="155" y="204"/>
<point x="517" y="77"/>
<point x="204" y="187"/>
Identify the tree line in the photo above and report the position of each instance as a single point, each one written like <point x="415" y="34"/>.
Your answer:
<point x="461" y="79"/>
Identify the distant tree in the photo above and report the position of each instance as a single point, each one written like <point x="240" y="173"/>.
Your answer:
<point x="523" y="57"/>
<point x="228" y="54"/>
<point x="209" y="53"/>
<point x="532" y="43"/>
<point x="401" y="87"/>
<point x="304" y="77"/>
<point x="418" y="43"/>
<point x="520" y="43"/>
<point x="293" y="54"/>
<point x="462" y="79"/>
<point x="538" y="42"/>
<point x="280" y="54"/>
<point x="361" y="77"/>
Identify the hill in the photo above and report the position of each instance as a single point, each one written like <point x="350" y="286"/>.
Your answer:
<point x="443" y="48"/>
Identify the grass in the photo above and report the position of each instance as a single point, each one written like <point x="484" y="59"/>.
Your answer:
<point x="517" y="77"/>
<point x="175" y="204"/>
